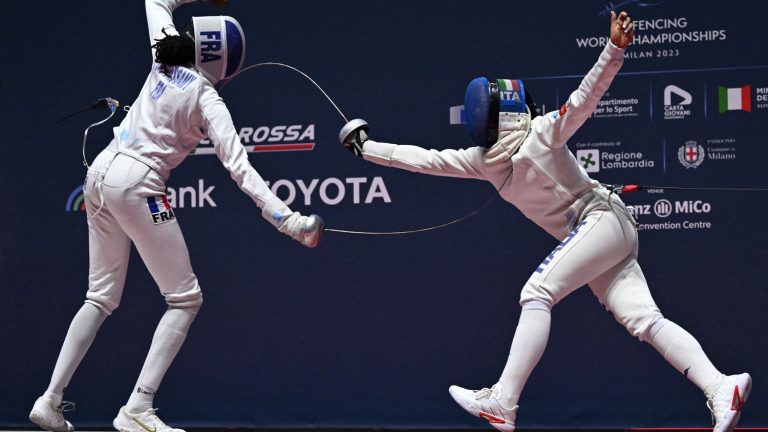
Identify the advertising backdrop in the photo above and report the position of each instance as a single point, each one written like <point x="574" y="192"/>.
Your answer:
<point x="370" y="331"/>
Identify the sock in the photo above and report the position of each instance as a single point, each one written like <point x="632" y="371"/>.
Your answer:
<point x="53" y="398"/>
<point x="168" y="338"/>
<point x="527" y="348"/>
<point x="80" y="335"/>
<point x="685" y="354"/>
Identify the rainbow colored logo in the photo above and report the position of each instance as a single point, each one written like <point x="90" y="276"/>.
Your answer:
<point x="76" y="200"/>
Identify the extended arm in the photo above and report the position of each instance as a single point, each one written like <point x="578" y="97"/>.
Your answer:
<point x="448" y="163"/>
<point x="557" y="128"/>
<point x="463" y="163"/>
<point x="229" y="149"/>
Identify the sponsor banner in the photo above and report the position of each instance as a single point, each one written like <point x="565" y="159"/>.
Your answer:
<point x="678" y="102"/>
<point x="734" y="99"/>
<point x="597" y="160"/>
<point x="761" y="97"/>
<point x="614" y="105"/>
<point x="75" y="200"/>
<point x="666" y="35"/>
<point x="331" y="191"/>
<point x="197" y="196"/>
<point x="269" y="139"/>
<point x="720" y="152"/>
<point x="664" y="214"/>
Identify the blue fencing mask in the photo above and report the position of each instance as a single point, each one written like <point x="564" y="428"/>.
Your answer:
<point x="486" y="101"/>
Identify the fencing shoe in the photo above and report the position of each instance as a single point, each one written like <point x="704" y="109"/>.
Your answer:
<point x="145" y="421"/>
<point x="50" y="417"/>
<point x="485" y="404"/>
<point x="727" y="401"/>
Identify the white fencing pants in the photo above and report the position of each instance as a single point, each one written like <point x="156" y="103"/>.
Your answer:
<point x="126" y="201"/>
<point x="600" y="251"/>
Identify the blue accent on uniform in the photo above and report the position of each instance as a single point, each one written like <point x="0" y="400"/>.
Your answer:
<point x="152" y="205"/>
<point x="277" y="216"/>
<point x="158" y="91"/>
<point x="477" y="104"/>
<point x="235" y="47"/>
<point x="559" y="247"/>
<point x="182" y="78"/>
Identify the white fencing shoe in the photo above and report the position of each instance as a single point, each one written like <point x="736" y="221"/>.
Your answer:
<point x="50" y="417"/>
<point x="485" y="404"/>
<point x="727" y="401"/>
<point x="145" y="421"/>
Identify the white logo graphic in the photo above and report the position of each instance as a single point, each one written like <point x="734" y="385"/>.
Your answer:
<point x="662" y="208"/>
<point x="331" y="191"/>
<point x="190" y="196"/>
<point x="676" y="110"/>
<point x="690" y="155"/>
<point x="589" y="160"/>
<point x="269" y="139"/>
<point x="673" y="89"/>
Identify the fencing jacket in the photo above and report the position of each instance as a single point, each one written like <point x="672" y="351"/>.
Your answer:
<point x="176" y="109"/>
<point x="547" y="184"/>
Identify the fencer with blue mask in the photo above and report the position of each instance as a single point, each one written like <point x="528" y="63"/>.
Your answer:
<point x="126" y="202"/>
<point x="526" y="159"/>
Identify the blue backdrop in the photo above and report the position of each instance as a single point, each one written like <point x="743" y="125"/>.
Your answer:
<point x="371" y="331"/>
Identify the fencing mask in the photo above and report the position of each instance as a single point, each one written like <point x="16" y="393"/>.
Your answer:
<point x="219" y="46"/>
<point x="488" y="104"/>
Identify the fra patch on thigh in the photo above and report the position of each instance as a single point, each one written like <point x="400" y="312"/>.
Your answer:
<point x="160" y="210"/>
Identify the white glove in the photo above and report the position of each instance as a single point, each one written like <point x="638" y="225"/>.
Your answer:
<point x="306" y="230"/>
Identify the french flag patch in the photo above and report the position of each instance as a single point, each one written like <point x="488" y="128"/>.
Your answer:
<point x="160" y="209"/>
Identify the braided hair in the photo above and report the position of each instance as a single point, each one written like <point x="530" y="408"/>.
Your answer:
<point x="174" y="50"/>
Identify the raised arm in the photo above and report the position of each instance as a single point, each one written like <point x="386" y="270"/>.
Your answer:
<point x="557" y="127"/>
<point x="160" y="17"/>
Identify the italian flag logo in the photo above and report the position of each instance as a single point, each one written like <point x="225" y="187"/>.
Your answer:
<point x="508" y="85"/>
<point x="735" y="99"/>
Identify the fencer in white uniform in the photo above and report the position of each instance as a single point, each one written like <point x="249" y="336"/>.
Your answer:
<point x="125" y="193"/>
<point x="528" y="161"/>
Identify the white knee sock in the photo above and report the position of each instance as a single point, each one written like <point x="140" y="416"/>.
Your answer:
<point x="528" y="346"/>
<point x="685" y="354"/>
<point x="79" y="338"/>
<point x="168" y="338"/>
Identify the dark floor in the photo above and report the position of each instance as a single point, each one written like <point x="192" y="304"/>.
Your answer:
<point x="479" y="429"/>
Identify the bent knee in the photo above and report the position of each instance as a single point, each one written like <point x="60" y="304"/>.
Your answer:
<point x="640" y="325"/>
<point x="535" y="293"/>
<point x="104" y="304"/>
<point x="191" y="298"/>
